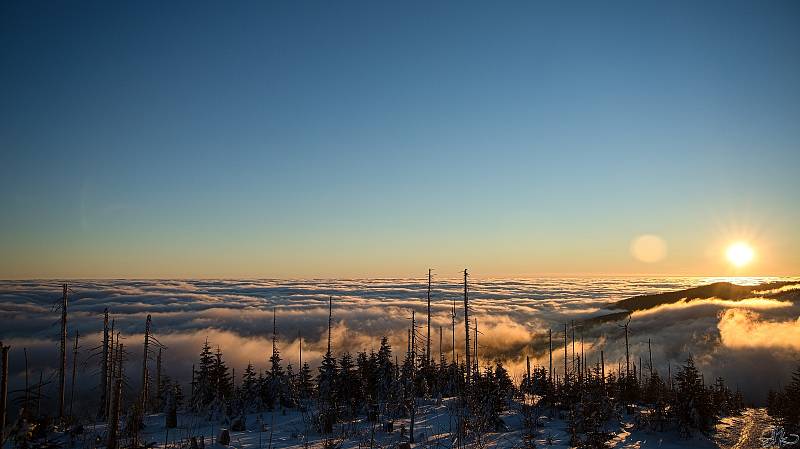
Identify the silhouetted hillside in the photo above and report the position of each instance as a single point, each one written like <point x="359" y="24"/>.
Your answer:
<point x="721" y="290"/>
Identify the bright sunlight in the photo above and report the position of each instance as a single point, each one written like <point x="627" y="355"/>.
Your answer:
<point x="739" y="254"/>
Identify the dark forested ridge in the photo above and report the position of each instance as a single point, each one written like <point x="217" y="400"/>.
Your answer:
<point x="720" y="290"/>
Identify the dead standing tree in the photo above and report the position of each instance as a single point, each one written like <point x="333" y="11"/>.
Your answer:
<point x="550" y="338"/>
<point x="3" y="391"/>
<point x="116" y="406"/>
<point x="101" y="413"/>
<point x="27" y="387"/>
<point x="566" y="372"/>
<point x="428" y="349"/>
<point x="143" y="394"/>
<point x="158" y="379"/>
<point x="413" y="356"/>
<point x="62" y="365"/>
<point x="150" y="342"/>
<point x="110" y="382"/>
<point x="453" y="317"/>
<point x="627" y="351"/>
<point x="476" y="371"/>
<point x="74" y="369"/>
<point x="466" y="329"/>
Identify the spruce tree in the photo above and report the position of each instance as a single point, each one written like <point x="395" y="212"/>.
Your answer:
<point x="276" y="381"/>
<point x="250" y="389"/>
<point x="221" y="378"/>
<point x="385" y="371"/>
<point x="204" y="388"/>
<point x="346" y="387"/>
<point x="304" y="385"/>
<point x="691" y="401"/>
<point x="790" y="403"/>
<point x="326" y="389"/>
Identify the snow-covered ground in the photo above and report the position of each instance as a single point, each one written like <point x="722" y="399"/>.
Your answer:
<point x="434" y="427"/>
<point x="743" y="432"/>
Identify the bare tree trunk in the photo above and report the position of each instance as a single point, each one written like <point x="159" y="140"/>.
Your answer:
<point x="550" y="338"/>
<point x="104" y="368"/>
<point x="158" y="378"/>
<point x="640" y="369"/>
<point x="477" y="366"/>
<point x="627" y="354"/>
<point x="573" y="348"/>
<point x="27" y="388"/>
<point x="39" y="395"/>
<point x="3" y="392"/>
<point x="144" y="393"/>
<point x="115" y="411"/>
<point x="110" y="382"/>
<point x="453" y="331"/>
<point x="330" y="321"/>
<point x="466" y="328"/>
<point x="669" y="373"/>
<point x="62" y="367"/>
<point x="441" y="354"/>
<point x="602" y="368"/>
<point x="583" y="358"/>
<point x="428" y="351"/>
<point x="528" y="371"/>
<point x="566" y="373"/>
<point x="413" y="371"/>
<point x="74" y="369"/>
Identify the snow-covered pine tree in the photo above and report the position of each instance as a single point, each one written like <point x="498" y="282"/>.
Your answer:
<point x="204" y="388"/>
<point x="692" y="404"/>
<point x="347" y="388"/>
<point x="290" y="387"/>
<point x="789" y="404"/>
<point x="221" y="378"/>
<point x="385" y="371"/>
<point x="276" y="381"/>
<point x="305" y="387"/>
<point x="249" y="390"/>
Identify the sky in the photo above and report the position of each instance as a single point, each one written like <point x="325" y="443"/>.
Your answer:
<point x="369" y="139"/>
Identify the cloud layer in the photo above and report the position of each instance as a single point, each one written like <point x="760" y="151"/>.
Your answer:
<point x="736" y="339"/>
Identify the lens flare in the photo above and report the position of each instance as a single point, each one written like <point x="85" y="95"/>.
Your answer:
<point x="649" y="248"/>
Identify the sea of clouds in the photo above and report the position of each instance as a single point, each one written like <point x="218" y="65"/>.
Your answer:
<point x="753" y="343"/>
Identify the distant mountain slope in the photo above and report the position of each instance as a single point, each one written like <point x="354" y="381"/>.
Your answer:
<point x="721" y="290"/>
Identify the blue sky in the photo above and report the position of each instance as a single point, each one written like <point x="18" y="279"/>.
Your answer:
<point x="299" y="139"/>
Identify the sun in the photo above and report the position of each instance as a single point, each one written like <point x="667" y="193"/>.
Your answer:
<point x="739" y="254"/>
